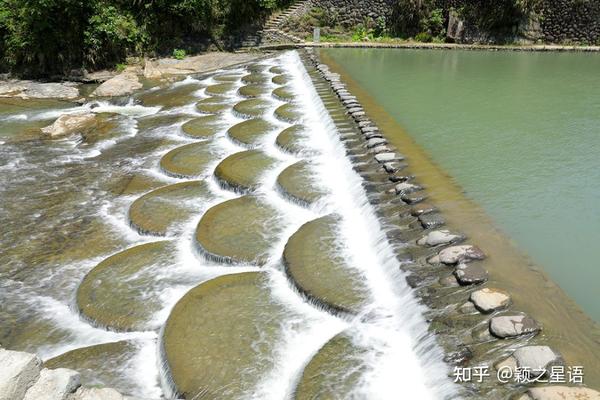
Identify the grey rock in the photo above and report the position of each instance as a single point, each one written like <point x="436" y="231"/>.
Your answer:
<point x="413" y="198"/>
<point x="488" y="300"/>
<point x="68" y="124"/>
<point x="563" y="393"/>
<point x="364" y="124"/>
<point x="358" y="114"/>
<point x="375" y="142"/>
<point x="122" y="84"/>
<point x="470" y="274"/>
<point x="507" y="326"/>
<point x="538" y="359"/>
<point x="405" y="187"/>
<point x="431" y="220"/>
<point x="387" y="157"/>
<point x="455" y="254"/>
<point x="422" y="209"/>
<point x="442" y="236"/>
<point x="18" y="372"/>
<point x="353" y="109"/>
<point x="38" y="90"/>
<point x="54" y="384"/>
<point x="393" y="167"/>
<point x="96" y="394"/>
<point x="380" y="149"/>
<point x="367" y="129"/>
<point x="372" y="135"/>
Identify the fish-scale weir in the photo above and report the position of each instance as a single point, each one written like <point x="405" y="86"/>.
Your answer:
<point x="275" y="279"/>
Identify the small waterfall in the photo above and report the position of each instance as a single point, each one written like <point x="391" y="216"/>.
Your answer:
<point x="402" y="359"/>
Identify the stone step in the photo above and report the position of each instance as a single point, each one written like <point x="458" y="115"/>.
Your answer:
<point x="239" y="231"/>
<point x="313" y="261"/>
<point x="221" y="337"/>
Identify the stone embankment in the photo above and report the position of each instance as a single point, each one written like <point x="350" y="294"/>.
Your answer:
<point x="473" y="322"/>
<point x="23" y="377"/>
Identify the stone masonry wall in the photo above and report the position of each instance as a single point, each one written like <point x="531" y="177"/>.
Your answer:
<point x="354" y="12"/>
<point x="570" y="21"/>
<point x="557" y="21"/>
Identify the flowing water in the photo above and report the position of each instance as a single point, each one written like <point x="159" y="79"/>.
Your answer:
<point x="149" y="254"/>
<point x="519" y="131"/>
<point x="506" y="145"/>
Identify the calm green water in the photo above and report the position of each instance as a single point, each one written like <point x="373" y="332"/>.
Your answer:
<point x="520" y="132"/>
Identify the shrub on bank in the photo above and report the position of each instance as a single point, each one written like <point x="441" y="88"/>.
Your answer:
<point x="43" y="38"/>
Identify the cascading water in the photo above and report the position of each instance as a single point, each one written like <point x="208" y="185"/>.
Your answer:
<point x="396" y="357"/>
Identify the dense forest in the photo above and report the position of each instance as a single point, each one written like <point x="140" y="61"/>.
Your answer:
<point x="51" y="37"/>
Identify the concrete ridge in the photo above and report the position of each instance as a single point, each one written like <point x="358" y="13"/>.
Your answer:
<point x="434" y="46"/>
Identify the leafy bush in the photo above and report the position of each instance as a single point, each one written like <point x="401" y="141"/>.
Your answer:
<point x="424" y="37"/>
<point x="111" y="35"/>
<point x="179" y="54"/>
<point x="51" y="37"/>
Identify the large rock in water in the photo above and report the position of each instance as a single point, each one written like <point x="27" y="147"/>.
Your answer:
<point x="436" y="238"/>
<point x="458" y="254"/>
<point x="220" y="337"/>
<point x="18" y="372"/>
<point x="100" y="365"/>
<point x="314" y="263"/>
<point x="488" y="300"/>
<point x="69" y="124"/>
<point x="97" y="394"/>
<point x="239" y="231"/>
<point x="507" y="326"/>
<point x="54" y="384"/>
<point x="38" y="90"/>
<point x="537" y="359"/>
<point x="123" y="84"/>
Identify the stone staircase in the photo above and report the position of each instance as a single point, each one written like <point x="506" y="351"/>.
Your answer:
<point x="271" y="32"/>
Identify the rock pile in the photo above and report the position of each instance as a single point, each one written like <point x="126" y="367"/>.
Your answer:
<point x="22" y="377"/>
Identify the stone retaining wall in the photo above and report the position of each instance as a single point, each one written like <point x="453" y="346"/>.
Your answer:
<point x="554" y="21"/>
<point x="353" y="12"/>
<point x="570" y="21"/>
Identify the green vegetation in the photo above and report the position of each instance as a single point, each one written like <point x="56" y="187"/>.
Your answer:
<point x="179" y="54"/>
<point x="426" y="22"/>
<point x="45" y="38"/>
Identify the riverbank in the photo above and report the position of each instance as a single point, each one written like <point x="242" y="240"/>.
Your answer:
<point x="566" y="327"/>
<point x="145" y="73"/>
<point x="436" y="46"/>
